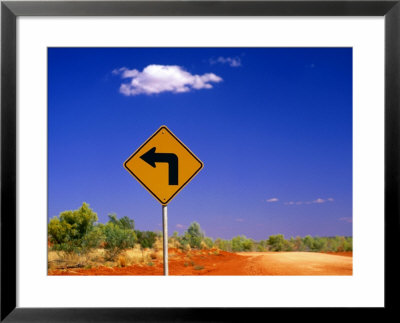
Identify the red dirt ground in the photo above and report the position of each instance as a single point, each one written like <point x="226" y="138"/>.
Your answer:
<point x="216" y="262"/>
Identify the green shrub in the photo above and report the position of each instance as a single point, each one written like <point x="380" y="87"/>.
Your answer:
<point x="146" y="239"/>
<point x="117" y="238"/>
<point x="124" y="222"/>
<point x="261" y="248"/>
<point x="298" y="244"/>
<point x="225" y="245"/>
<point x="308" y="242"/>
<point x="248" y="244"/>
<point x="193" y="236"/>
<point x="348" y="244"/>
<point x="319" y="244"/>
<point x="241" y="243"/>
<point x="73" y="231"/>
<point x="208" y="241"/>
<point x="277" y="242"/>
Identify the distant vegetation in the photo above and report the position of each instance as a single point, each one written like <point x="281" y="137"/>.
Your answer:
<point x="78" y="232"/>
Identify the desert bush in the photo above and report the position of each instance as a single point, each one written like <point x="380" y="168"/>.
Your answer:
<point x="277" y="242"/>
<point x="124" y="222"/>
<point x="137" y="255"/>
<point x="241" y="243"/>
<point x="73" y="231"/>
<point x="319" y="244"/>
<point x="93" y="238"/>
<point x="348" y="244"/>
<point x="158" y="244"/>
<point x="308" y="242"/>
<point x="208" y="242"/>
<point x="260" y="245"/>
<point x="117" y="237"/>
<point x="174" y="241"/>
<point x="146" y="239"/>
<point x="237" y="243"/>
<point x="260" y="248"/>
<point x="185" y="247"/>
<point x="121" y="261"/>
<point x="193" y="236"/>
<point x="343" y="243"/>
<point x="248" y="244"/>
<point x="298" y="244"/>
<point x="333" y="244"/>
<point x="225" y="245"/>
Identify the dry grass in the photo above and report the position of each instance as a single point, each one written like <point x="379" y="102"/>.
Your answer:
<point x="121" y="261"/>
<point x="203" y="246"/>
<point x="129" y="257"/>
<point x="96" y="258"/>
<point x="59" y="259"/>
<point x="158" y="244"/>
<point x="173" y="243"/>
<point x="136" y="256"/>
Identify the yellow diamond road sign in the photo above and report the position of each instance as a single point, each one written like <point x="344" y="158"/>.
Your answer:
<point x="163" y="165"/>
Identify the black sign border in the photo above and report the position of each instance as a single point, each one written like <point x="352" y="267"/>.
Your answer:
<point x="145" y="186"/>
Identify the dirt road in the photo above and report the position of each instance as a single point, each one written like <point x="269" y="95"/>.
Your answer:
<point x="297" y="263"/>
<point x="199" y="262"/>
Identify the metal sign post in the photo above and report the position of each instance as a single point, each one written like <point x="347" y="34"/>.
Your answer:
<point x="165" y="239"/>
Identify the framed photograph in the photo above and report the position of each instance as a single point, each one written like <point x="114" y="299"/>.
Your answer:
<point x="267" y="129"/>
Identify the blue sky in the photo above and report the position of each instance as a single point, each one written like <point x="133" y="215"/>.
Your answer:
<point x="273" y="127"/>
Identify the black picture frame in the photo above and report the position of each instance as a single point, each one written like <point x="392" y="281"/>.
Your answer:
<point x="10" y="10"/>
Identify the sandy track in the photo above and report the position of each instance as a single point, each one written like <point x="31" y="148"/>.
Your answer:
<point x="297" y="263"/>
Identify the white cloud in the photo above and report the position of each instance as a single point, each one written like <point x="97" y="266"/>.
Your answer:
<point x="180" y="226"/>
<point x="317" y="201"/>
<point x="155" y="79"/>
<point x="239" y="220"/>
<point x="231" y="61"/>
<point x="274" y="199"/>
<point x="345" y="219"/>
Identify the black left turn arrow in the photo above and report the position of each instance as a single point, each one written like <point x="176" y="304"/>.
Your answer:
<point x="151" y="158"/>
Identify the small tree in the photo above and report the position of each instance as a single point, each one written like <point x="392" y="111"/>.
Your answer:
<point x="208" y="242"/>
<point x="225" y="245"/>
<point x="319" y="244"/>
<point x="73" y="231"/>
<point x="308" y="242"/>
<point x="247" y="244"/>
<point x="117" y="236"/>
<point x="298" y="244"/>
<point x="348" y="244"/>
<point x="123" y="223"/>
<point x="146" y="239"/>
<point x="193" y="236"/>
<point x="277" y="242"/>
<point x="241" y="243"/>
<point x="260" y="248"/>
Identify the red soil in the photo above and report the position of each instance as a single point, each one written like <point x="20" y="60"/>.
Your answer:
<point x="216" y="262"/>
